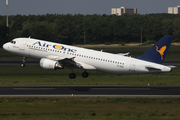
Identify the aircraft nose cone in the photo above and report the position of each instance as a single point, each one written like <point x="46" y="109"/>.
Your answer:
<point x="5" y="47"/>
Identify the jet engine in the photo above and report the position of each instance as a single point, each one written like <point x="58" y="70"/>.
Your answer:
<point x="50" y="64"/>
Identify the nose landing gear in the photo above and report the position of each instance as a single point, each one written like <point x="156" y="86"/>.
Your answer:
<point x="23" y="62"/>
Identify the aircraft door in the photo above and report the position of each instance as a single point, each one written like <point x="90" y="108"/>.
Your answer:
<point x="132" y="66"/>
<point x="22" y="46"/>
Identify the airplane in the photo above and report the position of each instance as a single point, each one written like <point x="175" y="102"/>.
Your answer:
<point x="54" y="56"/>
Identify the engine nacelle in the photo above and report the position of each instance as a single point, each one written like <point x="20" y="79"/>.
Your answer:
<point x="50" y="64"/>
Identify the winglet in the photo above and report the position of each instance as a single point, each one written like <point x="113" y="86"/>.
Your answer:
<point x="158" y="51"/>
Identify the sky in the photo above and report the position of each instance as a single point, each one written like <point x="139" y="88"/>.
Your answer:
<point x="41" y="7"/>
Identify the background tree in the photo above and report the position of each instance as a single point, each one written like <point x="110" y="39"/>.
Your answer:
<point x="70" y="29"/>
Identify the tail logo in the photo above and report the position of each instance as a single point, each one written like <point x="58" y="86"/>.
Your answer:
<point x="161" y="51"/>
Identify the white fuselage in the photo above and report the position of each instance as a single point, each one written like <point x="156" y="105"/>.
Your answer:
<point x="101" y="61"/>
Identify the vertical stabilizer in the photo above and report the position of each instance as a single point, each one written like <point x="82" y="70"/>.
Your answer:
<point x="158" y="51"/>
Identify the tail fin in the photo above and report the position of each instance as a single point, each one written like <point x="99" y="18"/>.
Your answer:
<point x="158" y="51"/>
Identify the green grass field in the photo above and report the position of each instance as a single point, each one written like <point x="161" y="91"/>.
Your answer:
<point x="89" y="108"/>
<point x="34" y="75"/>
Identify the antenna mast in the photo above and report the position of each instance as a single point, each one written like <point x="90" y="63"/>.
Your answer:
<point x="7" y="13"/>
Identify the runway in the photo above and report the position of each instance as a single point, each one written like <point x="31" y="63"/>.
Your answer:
<point x="91" y="91"/>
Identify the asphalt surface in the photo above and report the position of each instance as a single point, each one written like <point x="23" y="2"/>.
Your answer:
<point x="90" y="91"/>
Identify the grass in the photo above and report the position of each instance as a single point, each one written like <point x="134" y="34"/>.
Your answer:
<point x="34" y="75"/>
<point x="89" y="108"/>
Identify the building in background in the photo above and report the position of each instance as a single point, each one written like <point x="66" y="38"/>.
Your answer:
<point x="174" y="10"/>
<point x="123" y="10"/>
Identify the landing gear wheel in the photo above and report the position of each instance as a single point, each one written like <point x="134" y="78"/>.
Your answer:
<point x="85" y="74"/>
<point x="22" y="65"/>
<point x="72" y="75"/>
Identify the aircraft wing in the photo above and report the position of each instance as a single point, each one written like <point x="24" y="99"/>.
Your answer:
<point x="71" y="62"/>
<point x="124" y="54"/>
<point x="56" y="58"/>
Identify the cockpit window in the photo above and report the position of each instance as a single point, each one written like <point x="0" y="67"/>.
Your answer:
<point x="13" y="42"/>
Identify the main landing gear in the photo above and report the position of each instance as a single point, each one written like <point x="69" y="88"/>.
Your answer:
<point x="73" y="75"/>
<point x="85" y="74"/>
<point x="23" y="62"/>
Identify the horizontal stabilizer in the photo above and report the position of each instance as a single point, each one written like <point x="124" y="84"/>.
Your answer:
<point x="152" y="68"/>
<point x="172" y="66"/>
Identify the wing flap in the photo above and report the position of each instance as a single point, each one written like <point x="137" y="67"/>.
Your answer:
<point x="85" y="66"/>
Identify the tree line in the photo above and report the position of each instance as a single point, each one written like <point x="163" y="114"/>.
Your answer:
<point x="90" y="29"/>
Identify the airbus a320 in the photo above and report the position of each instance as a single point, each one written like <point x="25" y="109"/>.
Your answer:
<point x="54" y="56"/>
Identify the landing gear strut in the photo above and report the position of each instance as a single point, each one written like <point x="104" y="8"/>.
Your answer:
<point x="23" y="62"/>
<point x="85" y="74"/>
